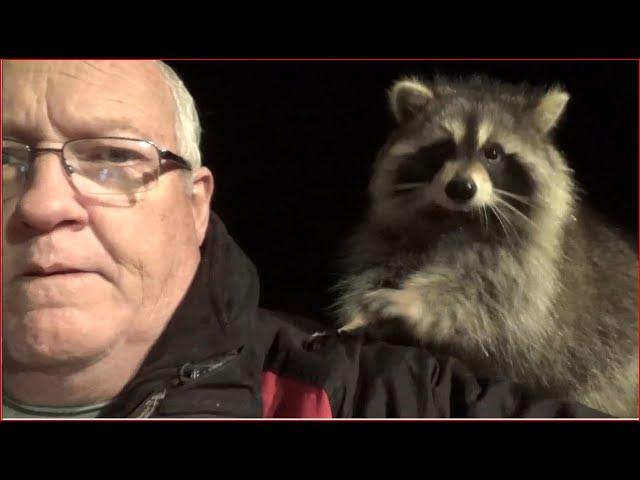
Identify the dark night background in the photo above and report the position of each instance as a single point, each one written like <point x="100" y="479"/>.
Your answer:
<point x="291" y="145"/>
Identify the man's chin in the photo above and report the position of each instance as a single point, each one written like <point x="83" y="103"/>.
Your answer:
<point x="25" y="361"/>
<point x="56" y="341"/>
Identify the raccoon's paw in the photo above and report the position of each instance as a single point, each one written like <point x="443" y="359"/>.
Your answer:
<point x="355" y="324"/>
<point x="390" y="303"/>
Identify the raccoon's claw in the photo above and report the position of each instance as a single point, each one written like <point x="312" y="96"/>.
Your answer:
<point x="318" y="335"/>
<point x="319" y="340"/>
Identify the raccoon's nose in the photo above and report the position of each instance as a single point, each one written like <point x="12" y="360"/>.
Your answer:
<point x="460" y="189"/>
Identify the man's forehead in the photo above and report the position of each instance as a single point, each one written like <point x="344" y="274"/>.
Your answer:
<point x="89" y="95"/>
<point x="132" y="71"/>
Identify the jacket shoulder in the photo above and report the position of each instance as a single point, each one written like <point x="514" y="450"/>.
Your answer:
<point x="350" y="376"/>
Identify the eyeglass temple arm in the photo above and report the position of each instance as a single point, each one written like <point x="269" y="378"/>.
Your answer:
<point x="167" y="155"/>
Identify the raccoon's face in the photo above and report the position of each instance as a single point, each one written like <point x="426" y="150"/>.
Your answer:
<point x="468" y="152"/>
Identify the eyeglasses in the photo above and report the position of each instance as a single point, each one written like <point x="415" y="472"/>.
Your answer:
<point x="96" y="166"/>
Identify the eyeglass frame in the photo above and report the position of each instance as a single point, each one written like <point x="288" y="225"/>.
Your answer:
<point x="164" y="155"/>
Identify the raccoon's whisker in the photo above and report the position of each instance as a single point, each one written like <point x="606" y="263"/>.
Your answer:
<point x="516" y="211"/>
<point x="486" y="218"/>
<point x="498" y="216"/>
<point x="510" y="194"/>
<point x="506" y="219"/>
<point x="513" y="231"/>
<point x="479" y="214"/>
<point x="519" y="198"/>
<point x="509" y="200"/>
<point x="495" y="214"/>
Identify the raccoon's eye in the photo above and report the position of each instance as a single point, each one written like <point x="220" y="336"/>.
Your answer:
<point x="493" y="153"/>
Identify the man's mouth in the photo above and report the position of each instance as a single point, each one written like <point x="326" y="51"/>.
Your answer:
<point x="52" y="274"/>
<point x="50" y="271"/>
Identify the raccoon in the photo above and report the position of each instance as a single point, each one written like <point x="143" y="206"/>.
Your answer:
<point x="477" y="244"/>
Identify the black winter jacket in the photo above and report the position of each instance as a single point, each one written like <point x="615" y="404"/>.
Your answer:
<point x="222" y="356"/>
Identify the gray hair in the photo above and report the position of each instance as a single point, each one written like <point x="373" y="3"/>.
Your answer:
<point x="187" y="124"/>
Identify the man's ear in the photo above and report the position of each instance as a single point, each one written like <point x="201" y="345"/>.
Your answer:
<point x="202" y="191"/>
<point x="407" y="98"/>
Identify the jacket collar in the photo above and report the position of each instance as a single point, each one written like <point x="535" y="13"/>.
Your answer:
<point x="209" y="340"/>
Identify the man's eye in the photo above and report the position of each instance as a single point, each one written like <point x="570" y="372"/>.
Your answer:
<point x="112" y="155"/>
<point x="10" y="156"/>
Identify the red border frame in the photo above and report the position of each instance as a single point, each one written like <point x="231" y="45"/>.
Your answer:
<point x="637" y="60"/>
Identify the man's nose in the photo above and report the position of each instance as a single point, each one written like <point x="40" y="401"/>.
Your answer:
<point x="49" y="199"/>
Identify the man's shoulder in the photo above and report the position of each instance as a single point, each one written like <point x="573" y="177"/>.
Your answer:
<point x="320" y="339"/>
<point x="342" y="375"/>
<point x="294" y="336"/>
<point x="350" y="375"/>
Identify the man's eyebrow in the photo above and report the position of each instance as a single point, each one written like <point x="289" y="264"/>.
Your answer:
<point x="16" y="132"/>
<point x="102" y="126"/>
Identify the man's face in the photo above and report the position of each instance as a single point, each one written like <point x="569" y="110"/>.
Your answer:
<point x="113" y="274"/>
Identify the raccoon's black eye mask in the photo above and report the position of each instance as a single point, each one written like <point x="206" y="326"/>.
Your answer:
<point x="422" y="166"/>
<point x="511" y="174"/>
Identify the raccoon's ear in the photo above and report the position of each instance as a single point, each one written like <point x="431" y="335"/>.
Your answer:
<point x="549" y="108"/>
<point x="407" y="98"/>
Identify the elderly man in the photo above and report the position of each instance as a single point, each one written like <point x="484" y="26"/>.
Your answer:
<point x="123" y="296"/>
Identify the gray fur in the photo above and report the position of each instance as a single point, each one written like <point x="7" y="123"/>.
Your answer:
<point x="545" y="295"/>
